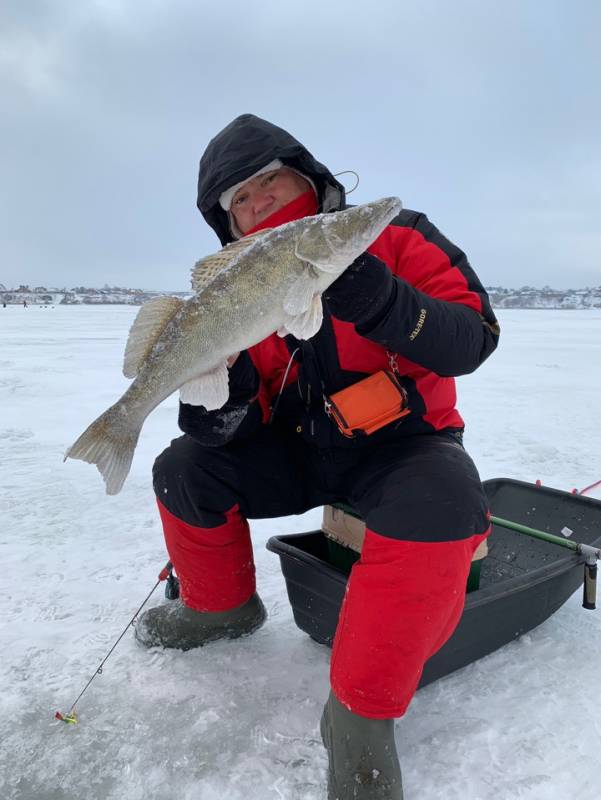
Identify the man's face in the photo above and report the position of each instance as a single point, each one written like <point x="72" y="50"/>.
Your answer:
<point x="264" y="195"/>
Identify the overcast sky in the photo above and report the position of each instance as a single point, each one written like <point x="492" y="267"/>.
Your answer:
<point x="486" y="115"/>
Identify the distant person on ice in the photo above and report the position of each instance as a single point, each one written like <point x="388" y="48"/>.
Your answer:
<point x="412" y="305"/>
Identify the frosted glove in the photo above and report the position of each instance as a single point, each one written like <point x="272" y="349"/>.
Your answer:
<point x="362" y="292"/>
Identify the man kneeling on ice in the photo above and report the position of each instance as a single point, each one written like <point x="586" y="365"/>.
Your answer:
<point x="408" y="316"/>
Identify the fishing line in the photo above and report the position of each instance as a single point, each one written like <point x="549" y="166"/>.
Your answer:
<point x="277" y="400"/>
<point x="71" y="716"/>
<point x="576" y="491"/>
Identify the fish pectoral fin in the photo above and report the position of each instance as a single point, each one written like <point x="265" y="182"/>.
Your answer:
<point x="210" y="390"/>
<point x="303" y="309"/>
<point x="207" y="269"/>
<point x="147" y="327"/>
<point x="305" y="325"/>
<point x="299" y="297"/>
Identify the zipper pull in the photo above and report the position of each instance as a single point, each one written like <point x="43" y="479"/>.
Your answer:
<point x="392" y="361"/>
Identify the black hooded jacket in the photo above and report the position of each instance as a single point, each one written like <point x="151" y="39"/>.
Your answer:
<point x="242" y="148"/>
<point x="433" y="280"/>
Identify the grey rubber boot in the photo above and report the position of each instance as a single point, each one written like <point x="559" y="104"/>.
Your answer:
<point x="363" y="760"/>
<point x="175" y="625"/>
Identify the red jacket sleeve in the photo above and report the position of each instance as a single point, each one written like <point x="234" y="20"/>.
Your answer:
<point x="438" y="315"/>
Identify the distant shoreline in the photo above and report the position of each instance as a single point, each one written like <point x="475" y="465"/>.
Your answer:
<point x="527" y="297"/>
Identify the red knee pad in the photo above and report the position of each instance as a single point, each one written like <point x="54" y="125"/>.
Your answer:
<point x="403" y="601"/>
<point x="215" y="566"/>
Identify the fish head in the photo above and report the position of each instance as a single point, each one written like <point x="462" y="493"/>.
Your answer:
<point x="331" y="242"/>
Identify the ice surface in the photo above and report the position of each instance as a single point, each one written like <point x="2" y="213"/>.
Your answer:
<point x="239" y="720"/>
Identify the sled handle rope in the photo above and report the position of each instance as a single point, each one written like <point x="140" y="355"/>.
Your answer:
<point x="587" y="488"/>
<point x="71" y="716"/>
<point x="591" y="555"/>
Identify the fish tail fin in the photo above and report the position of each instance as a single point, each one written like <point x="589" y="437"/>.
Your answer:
<point x="109" y="442"/>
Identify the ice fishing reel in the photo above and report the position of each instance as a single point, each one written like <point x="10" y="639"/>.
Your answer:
<point x="171" y="585"/>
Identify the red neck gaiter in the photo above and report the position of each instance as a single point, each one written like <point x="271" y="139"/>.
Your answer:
<point x="305" y="205"/>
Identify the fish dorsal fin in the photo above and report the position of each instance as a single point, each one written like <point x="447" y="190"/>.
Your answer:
<point x="148" y="325"/>
<point x="207" y="269"/>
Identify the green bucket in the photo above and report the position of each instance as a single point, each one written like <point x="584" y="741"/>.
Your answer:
<point x="343" y="559"/>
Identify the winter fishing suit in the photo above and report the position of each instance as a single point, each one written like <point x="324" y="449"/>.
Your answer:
<point x="412" y="302"/>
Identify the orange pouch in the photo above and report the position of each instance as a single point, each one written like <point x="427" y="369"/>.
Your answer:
<point x="368" y="405"/>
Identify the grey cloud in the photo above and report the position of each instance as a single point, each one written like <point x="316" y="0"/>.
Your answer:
<point x="485" y="116"/>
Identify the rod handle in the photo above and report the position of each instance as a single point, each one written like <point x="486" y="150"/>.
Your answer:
<point x="589" y="598"/>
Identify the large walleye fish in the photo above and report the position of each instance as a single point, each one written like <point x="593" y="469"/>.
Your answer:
<point x="271" y="281"/>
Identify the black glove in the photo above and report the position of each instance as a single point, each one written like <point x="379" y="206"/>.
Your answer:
<point x="243" y="379"/>
<point x="237" y="418"/>
<point x="363" y="292"/>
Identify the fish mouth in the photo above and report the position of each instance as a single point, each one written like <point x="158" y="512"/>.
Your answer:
<point x="392" y="206"/>
<point x="384" y="211"/>
<point x="396" y="204"/>
<point x="347" y="234"/>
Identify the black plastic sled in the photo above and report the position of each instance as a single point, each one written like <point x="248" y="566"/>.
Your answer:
<point x="523" y="580"/>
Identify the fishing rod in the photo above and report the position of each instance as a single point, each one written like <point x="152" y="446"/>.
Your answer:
<point x="71" y="716"/>
<point x="591" y="555"/>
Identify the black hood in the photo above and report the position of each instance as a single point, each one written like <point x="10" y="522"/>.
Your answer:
<point x="246" y="145"/>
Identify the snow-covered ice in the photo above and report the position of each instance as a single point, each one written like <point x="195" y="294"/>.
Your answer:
<point x="240" y="719"/>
